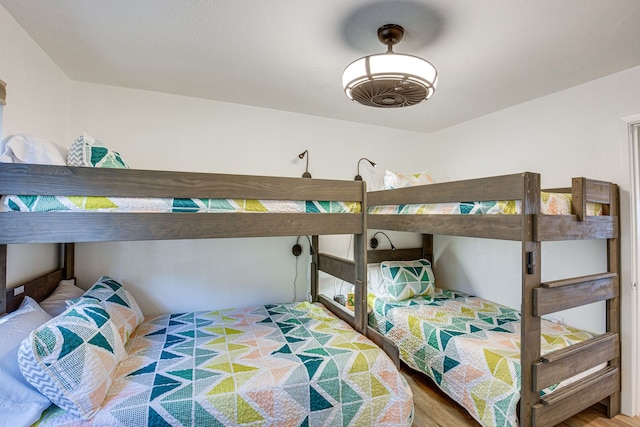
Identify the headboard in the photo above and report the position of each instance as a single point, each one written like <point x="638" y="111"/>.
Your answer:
<point x="38" y="288"/>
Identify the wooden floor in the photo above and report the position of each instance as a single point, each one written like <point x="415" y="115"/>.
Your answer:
<point x="433" y="408"/>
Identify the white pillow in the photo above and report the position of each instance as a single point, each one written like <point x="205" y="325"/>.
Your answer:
<point x="56" y="303"/>
<point x="20" y="403"/>
<point x="24" y="148"/>
<point x="375" y="281"/>
<point x="399" y="180"/>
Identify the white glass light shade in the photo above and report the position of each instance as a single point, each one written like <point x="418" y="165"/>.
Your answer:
<point x="392" y="73"/>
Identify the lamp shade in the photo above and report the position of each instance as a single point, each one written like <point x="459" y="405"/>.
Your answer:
<point x="389" y="80"/>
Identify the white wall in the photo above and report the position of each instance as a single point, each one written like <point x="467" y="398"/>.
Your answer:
<point x="37" y="103"/>
<point x="576" y="132"/>
<point x="168" y="132"/>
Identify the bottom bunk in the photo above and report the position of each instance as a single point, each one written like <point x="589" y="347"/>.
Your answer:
<point x="292" y="364"/>
<point x="468" y="346"/>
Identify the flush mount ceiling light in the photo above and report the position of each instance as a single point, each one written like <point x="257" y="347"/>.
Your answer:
<point x="390" y="79"/>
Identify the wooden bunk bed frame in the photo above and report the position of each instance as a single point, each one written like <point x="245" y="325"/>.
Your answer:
<point x="530" y="227"/>
<point x="74" y="227"/>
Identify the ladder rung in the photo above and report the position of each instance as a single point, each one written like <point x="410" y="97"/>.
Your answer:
<point x="573" y="349"/>
<point x="578" y="280"/>
<point x="578" y="386"/>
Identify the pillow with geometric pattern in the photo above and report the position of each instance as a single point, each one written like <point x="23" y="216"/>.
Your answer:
<point x="399" y="180"/>
<point x="406" y="279"/>
<point x="89" y="152"/>
<point x="71" y="359"/>
<point x="119" y="303"/>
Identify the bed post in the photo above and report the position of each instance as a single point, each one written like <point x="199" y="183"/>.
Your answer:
<point x="613" y="305"/>
<point x="531" y="278"/>
<point x="3" y="278"/>
<point x="427" y="247"/>
<point x="314" y="268"/>
<point x="360" y="260"/>
<point x="68" y="260"/>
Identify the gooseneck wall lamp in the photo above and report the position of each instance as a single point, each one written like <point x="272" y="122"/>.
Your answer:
<point x="374" y="242"/>
<point x="306" y="173"/>
<point x="358" y="177"/>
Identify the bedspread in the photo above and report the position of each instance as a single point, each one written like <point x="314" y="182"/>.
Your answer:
<point x="469" y="346"/>
<point x="550" y="204"/>
<point x="276" y="365"/>
<point x="128" y="204"/>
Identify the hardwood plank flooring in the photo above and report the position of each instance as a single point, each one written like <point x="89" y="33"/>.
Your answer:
<point x="433" y="408"/>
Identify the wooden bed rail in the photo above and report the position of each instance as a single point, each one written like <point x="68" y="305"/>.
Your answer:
<point x="585" y="191"/>
<point x="507" y="187"/>
<point x="80" y="181"/>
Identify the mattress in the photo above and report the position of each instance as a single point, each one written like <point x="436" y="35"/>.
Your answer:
<point x="468" y="346"/>
<point x="277" y="365"/>
<point x="123" y="204"/>
<point x="551" y="204"/>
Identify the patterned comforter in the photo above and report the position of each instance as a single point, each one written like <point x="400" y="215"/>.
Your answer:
<point x="469" y="346"/>
<point x="276" y="365"/>
<point x="128" y="204"/>
<point x="551" y="204"/>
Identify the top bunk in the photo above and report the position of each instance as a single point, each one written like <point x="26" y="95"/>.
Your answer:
<point x="511" y="207"/>
<point x="312" y="206"/>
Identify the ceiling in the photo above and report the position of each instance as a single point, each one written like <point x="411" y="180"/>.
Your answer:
<point x="289" y="54"/>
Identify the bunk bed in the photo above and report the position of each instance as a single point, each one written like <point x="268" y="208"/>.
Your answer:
<point x="590" y="363"/>
<point x="302" y="365"/>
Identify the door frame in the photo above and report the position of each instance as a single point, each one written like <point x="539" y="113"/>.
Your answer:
<point x="632" y="124"/>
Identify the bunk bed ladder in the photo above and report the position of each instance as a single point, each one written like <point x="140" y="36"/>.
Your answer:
<point x="601" y="353"/>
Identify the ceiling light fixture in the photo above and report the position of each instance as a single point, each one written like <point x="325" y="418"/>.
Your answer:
<point x="390" y="79"/>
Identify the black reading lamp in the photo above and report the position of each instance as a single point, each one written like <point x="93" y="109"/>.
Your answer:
<point x="358" y="177"/>
<point x="374" y="242"/>
<point x="306" y="173"/>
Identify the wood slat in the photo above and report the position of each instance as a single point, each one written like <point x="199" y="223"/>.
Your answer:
<point x="577" y="280"/>
<point x="503" y="227"/>
<point x="53" y="227"/>
<point x="530" y="325"/>
<point x="613" y="305"/>
<point x="551" y="300"/>
<point x="341" y="268"/>
<point x="69" y="260"/>
<point x="572" y="360"/>
<point x="598" y="191"/>
<point x="360" y="281"/>
<point x="78" y="181"/>
<point x="567" y="227"/>
<point x="379" y="255"/>
<point x="576" y="397"/>
<point x="507" y="187"/>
